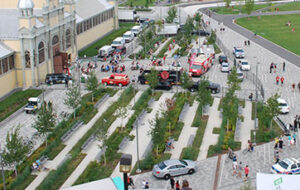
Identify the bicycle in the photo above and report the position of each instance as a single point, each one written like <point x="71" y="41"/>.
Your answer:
<point x="228" y="158"/>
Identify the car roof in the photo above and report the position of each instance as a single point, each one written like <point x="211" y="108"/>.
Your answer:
<point x="106" y="47"/>
<point x="238" y="48"/>
<point x="128" y="32"/>
<point x="289" y="161"/>
<point x="171" y="162"/>
<point x="280" y="100"/>
<point x="118" y="39"/>
<point x="136" y="27"/>
<point x="119" y="74"/>
<point x="33" y="99"/>
<point x="225" y="63"/>
<point x="243" y="60"/>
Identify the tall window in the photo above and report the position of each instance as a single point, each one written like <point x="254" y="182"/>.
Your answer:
<point x="55" y="40"/>
<point x="11" y="62"/>
<point x="68" y="38"/>
<point x="27" y="59"/>
<point x="5" y="65"/>
<point x="41" y="48"/>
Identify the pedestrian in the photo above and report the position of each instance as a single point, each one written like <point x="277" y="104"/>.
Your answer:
<point x="283" y="66"/>
<point x="185" y="185"/>
<point x="299" y="121"/>
<point x="248" y="42"/>
<point x="234" y="167"/>
<point x="240" y="170"/>
<point x="67" y="81"/>
<point x="276" y="157"/>
<point x="172" y="182"/>
<point x="246" y="172"/>
<point x="177" y="185"/>
<point x="145" y="184"/>
<point x="130" y="182"/>
<point x="276" y="143"/>
<point x="282" y="80"/>
<point x="280" y="143"/>
<point x="294" y="138"/>
<point x="271" y="67"/>
<point x="299" y="88"/>
<point x="293" y="87"/>
<point x="277" y="79"/>
<point x="245" y="42"/>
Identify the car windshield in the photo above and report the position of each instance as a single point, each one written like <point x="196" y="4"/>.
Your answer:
<point x="239" y="50"/>
<point x="283" y="164"/>
<point x="134" y="30"/>
<point x="126" y="36"/>
<point x="183" y="162"/>
<point x="162" y="165"/>
<point x="244" y="63"/>
<point x="196" y="67"/>
<point x="283" y="104"/>
<point x="116" y="42"/>
<point x="30" y="103"/>
<point x="224" y="65"/>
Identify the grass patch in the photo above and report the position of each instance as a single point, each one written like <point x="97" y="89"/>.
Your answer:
<point x="15" y="101"/>
<point x="163" y="50"/>
<point x="92" y="50"/>
<point x="242" y="103"/>
<point x="197" y="118"/>
<point x="292" y="6"/>
<point x="236" y="9"/>
<point x="216" y="130"/>
<point x="157" y="95"/>
<point x="220" y="104"/>
<point x="134" y="3"/>
<point x="253" y="111"/>
<point x="178" y="129"/>
<point x="274" y="29"/>
<point x="55" y="151"/>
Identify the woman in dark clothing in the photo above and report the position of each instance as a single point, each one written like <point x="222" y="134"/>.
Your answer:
<point x="280" y="143"/>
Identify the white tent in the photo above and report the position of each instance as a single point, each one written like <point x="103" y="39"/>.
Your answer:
<point x="277" y="182"/>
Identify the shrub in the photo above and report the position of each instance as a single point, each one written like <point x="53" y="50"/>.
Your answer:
<point x="189" y="153"/>
<point x="148" y="162"/>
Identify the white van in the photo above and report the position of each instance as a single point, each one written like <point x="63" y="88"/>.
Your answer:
<point x="119" y="41"/>
<point x="136" y="30"/>
<point x="105" y="51"/>
<point x="128" y="36"/>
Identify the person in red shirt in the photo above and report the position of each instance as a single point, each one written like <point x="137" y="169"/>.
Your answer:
<point x="277" y="79"/>
<point x="246" y="172"/>
<point x="282" y="79"/>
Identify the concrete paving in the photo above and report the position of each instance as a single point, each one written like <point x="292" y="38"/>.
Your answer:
<point x="144" y="136"/>
<point x="94" y="149"/>
<point x="71" y="142"/>
<point x="214" y="120"/>
<point x="160" y="47"/>
<point x="186" y="132"/>
<point x="247" y="125"/>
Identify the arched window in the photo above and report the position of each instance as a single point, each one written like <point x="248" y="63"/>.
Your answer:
<point x="68" y="38"/>
<point x="27" y="59"/>
<point x="55" y="40"/>
<point x="41" y="52"/>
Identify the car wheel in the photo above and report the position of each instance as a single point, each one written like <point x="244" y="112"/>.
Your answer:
<point x="120" y="85"/>
<point x="167" y="176"/>
<point x="191" y="171"/>
<point x="27" y="111"/>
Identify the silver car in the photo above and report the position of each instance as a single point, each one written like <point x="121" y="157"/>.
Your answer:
<point x="169" y="168"/>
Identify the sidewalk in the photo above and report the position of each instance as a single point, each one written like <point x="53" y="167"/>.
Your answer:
<point x="160" y="47"/>
<point x="52" y="165"/>
<point x="93" y="150"/>
<point x="186" y="132"/>
<point x="170" y="53"/>
<point x="144" y="137"/>
<point x="209" y="138"/>
<point x="247" y="125"/>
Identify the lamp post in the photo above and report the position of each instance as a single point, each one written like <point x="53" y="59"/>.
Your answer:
<point x="2" y="169"/>
<point x="256" y="99"/>
<point x="125" y="167"/>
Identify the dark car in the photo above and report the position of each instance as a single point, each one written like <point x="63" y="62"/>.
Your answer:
<point x="174" y="76"/>
<point x="164" y="85"/>
<point x="213" y="87"/>
<point x="223" y="58"/>
<point x="200" y="32"/>
<point x="57" y="78"/>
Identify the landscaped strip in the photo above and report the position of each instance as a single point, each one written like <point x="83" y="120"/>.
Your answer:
<point x="15" y="101"/>
<point x="236" y="9"/>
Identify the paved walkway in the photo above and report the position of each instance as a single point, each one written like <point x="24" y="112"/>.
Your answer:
<point x="52" y="165"/>
<point x="160" y="47"/>
<point x="144" y="137"/>
<point x="170" y="53"/>
<point x="209" y="138"/>
<point x="186" y="132"/>
<point x="247" y="125"/>
<point x="93" y="150"/>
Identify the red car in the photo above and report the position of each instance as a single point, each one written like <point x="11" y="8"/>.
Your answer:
<point x="116" y="79"/>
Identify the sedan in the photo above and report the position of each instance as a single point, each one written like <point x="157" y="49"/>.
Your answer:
<point x="244" y="65"/>
<point x="225" y="67"/>
<point x="283" y="106"/>
<point x="213" y="87"/>
<point x="169" y="168"/>
<point x="287" y="166"/>
<point x="200" y="33"/>
<point x="223" y="58"/>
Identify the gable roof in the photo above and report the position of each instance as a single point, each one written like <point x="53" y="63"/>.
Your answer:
<point x="4" y="51"/>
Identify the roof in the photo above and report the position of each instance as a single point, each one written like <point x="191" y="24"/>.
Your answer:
<point x="118" y="39"/>
<point x="200" y="58"/>
<point x="168" y="29"/>
<point x="25" y="4"/>
<point x="107" y="183"/>
<point x="280" y="100"/>
<point x="33" y="99"/>
<point x="88" y="8"/>
<point x="4" y="51"/>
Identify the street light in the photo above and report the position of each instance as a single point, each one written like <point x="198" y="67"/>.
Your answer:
<point x="125" y="167"/>
<point x="256" y="99"/>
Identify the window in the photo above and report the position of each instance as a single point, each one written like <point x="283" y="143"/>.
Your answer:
<point x="11" y="62"/>
<point x="68" y="38"/>
<point x="41" y="51"/>
<point x="27" y="59"/>
<point x="5" y="65"/>
<point x="55" y="40"/>
<point x="94" y="21"/>
<point x="294" y="166"/>
<point x="172" y="167"/>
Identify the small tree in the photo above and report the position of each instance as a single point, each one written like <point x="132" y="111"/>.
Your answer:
<point x="92" y="84"/>
<point x="147" y="3"/>
<point x="227" y="2"/>
<point x="233" y="81"/>
<point x="73" y="97"/>
<point x="122" y="112"/>
<point x="204" y="95"/>
<point x="159" y="24"/>
<point x="45" y="121"/>
<point x="157" y="132"/>
<point x="198" y="17"/>
<point x="272" y="107"/>
<point x="249" y="6"/>
<point x="16" y="150"/>
<point x="172" y="13"/>
<point x="186" y="81"/>
<point x="153" y="79"/>
<point x="101" y="135"/>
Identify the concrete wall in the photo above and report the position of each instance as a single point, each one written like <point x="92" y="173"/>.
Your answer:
<point x="7" y="82"/>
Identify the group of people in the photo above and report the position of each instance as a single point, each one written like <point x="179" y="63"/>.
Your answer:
<point x="176" y="185"/>
<point x="247" y="42"/>
<point x="90" y="66"/>
<point x="38" y="166"/>
<point x="281" y="79"/>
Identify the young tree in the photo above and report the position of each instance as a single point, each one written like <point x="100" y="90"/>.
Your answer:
<point x="122" y="112"/>
<point x="172" y="13"/>
<point x="272" y="107"/>
<point x="45" y="121"/>
<point x="101" y="135"/>
<point x="204" y="95"/>
<point x="249" y="5"/>
<point x="147" y="4"/>
<point x="233" y="81"/>
<point x="92" y="84"/>
<point x="227" y="2"/>
<point x="153" y="79"/>
<point x="157" y="132"/>
<point x="16" y="150"/>
<point x="73" y="97"/>
<point x="159" y="24"/>
<point x="186" y="81"/>
<point x="198" y="17"/>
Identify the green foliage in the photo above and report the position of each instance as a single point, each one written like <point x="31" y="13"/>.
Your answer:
<point x="15" y="101"/>
<point x="272" y="107"/>
<point x="189" y="153"/>
<point x="164" y="49"/>
<point x="212" y="38"/>
<point x="73" y="97"/>
<point x="249" y="5"/>
<point x="186" y="81"/>
<point x="216" y="130"/>
<point x="92" y="84"/>
<point x="152" y="78"/>
<point x="204" y="94"/>
<point x="197" y="118"/>
<point x="172" y="13"/>
<point x="227" y="2"/>
<point x="198" y="17"/>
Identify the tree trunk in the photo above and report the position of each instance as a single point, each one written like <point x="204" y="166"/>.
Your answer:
<point x="75" y="113"/>
<point x="104" y="159"/>
<point x="92" y="97"/>
<point x="16" y="170"/>
<point x="156" y="150"/>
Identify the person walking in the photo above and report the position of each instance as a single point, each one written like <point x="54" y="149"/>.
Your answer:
<point x="277" y="79"/>
<point x="299" y="121"/>
<point x="172" y="182"/>
<point x="248" y="42"/>
<point x="276" y="143"/>
<point x="293" y="87"/>
<point x="234" y="167"/>
<point x="276" y="157"/>
<point x="246" y="170"/>
<point x="240" y="170"/>
<point x="282" y="80"/>
<point x="294" y="138"/>
<point x="271" y="67"/>
<point x="177" y="185"/>
<point x="299" y="90"/>
<point x="130" y="182"/>
<point x="280" y="143"/>
<point x="245" y="42"/>
<point x="283" y="66"/>
<point x="185" y="185"/>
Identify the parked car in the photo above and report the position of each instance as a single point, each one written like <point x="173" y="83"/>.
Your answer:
<point x="238" y="52"/>
<point x="164" y="85"/>
<point x="244" y="65"/>
<point x="200" y="33"/>
<point x="33" y="105"/>
<point x="169" y="168"/>
<point x="213" y="87"/>
<point x="287" y="166"/>
<point x="57" y="78"/>
<point x="119" y="41"/>
<point x="223" y="58"/>
<point x="121" y="50"/>
<point x="283" y="106"/>
<point x="225" y="67"/>
<point x="105" y="52"/>
<point x="116" y="79"/>
<point x="128" y="36"/>
<point x="240" y="74"/>
<point x="136" y="30"/>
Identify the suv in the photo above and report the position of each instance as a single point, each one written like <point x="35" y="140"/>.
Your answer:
<point x="238" y="52"/>
<point x="33" y="105"/>
<point x="57" y="78"/>
<point x="213" y="87"/>
<point x="116" y="79"/>
<point x="244" y="65"/>
<point x="283" y="106"/>
<point x="223" y="58"/>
